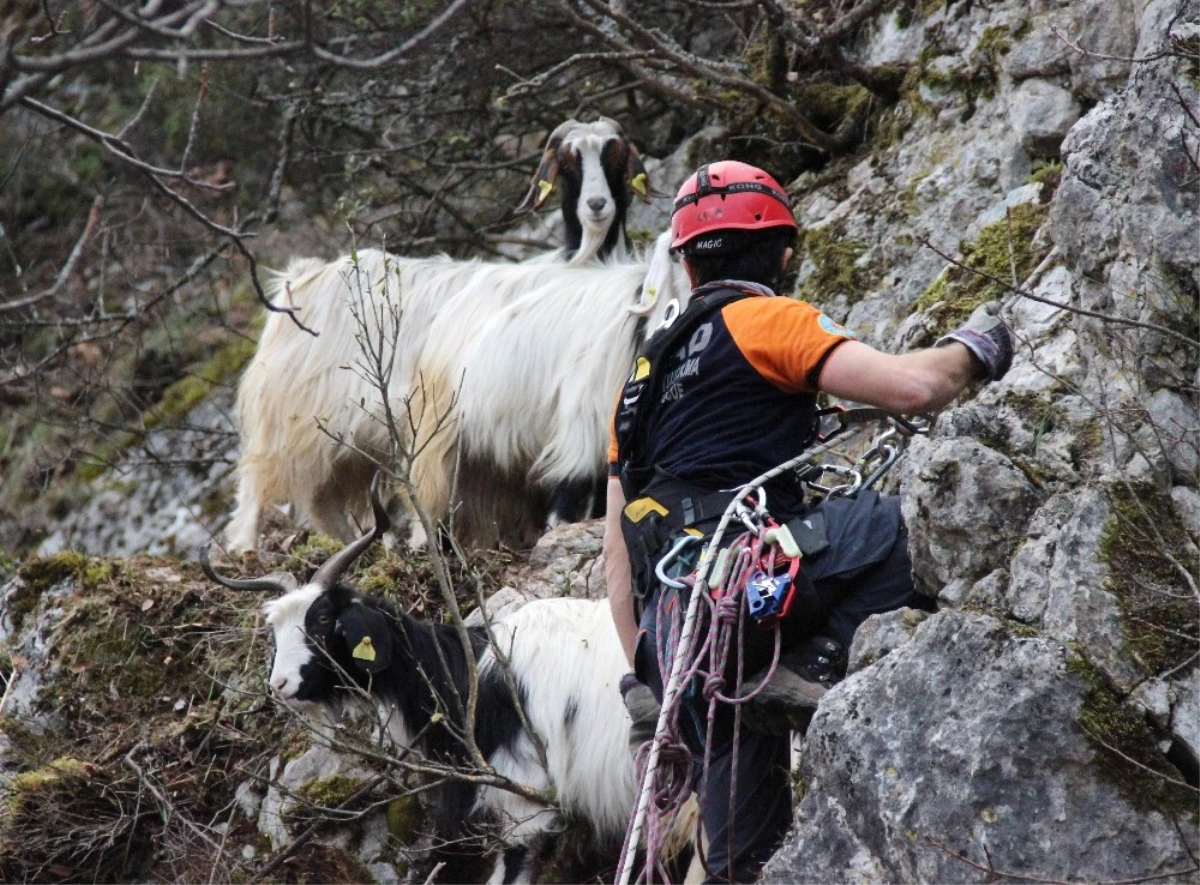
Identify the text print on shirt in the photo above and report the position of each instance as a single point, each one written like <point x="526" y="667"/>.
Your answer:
<point x="689" y="363"/>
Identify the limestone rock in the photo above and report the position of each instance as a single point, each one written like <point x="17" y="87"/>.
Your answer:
<point x="1042" y="113"/>
<point x="1106" y="43"/>
<point x="961" y="750"/>
<point x="965" y="506"/>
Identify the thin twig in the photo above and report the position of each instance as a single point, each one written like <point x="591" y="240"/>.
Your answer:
<point x="1026" y="877"/>
<point x="1108" y="318"/>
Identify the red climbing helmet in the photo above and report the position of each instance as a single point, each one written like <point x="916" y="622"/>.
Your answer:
<point x="727" y="195"/>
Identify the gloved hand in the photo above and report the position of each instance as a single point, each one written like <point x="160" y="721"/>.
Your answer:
<point x="804" y="675"/>
<point x="643" y="710"/>
<point x="988" y="339"/>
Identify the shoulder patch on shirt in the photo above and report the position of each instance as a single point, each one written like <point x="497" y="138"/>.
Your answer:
<point x="834" y="328"/>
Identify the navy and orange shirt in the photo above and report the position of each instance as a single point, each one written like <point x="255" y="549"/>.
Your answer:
<point x="739" y="397"/>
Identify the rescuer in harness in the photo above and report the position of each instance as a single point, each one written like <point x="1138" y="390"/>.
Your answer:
<point x="721" y="395"/>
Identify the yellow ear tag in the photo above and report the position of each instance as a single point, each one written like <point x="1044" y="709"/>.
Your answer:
<point x="544" y="189"/>
<point x="641" y="369"/>
<point x="365" y="650"/>
<point x="639" y="184"/>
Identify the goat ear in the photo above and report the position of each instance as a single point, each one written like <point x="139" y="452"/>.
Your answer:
<point x="636" y="172"/>
<point x="367" y="636"/>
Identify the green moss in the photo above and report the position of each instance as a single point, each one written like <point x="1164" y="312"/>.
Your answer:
<point x="833" y="106"/>
<point x="1146" y="548"/>
<point x="837" y="272"/>
<point x="1086" y="444"/>
<point x="1048" y="174"/>
<point x="994" y="43"/>
<point x="315" y="550"/>
<point x="37" y="576"/>
<point x="43" y="572"/>
<point x="1000" y="246"/>
<point x="1120" y="734"/>
<point x="185" y="394"/>
<point x="330" y="792"/>
<point x="30" y="783"/>
<point x="404" y="819"/>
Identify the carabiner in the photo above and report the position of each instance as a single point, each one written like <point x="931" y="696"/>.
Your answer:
<point x="669" y="557"/>
<point x="887" y="456"/>
<point x="752" y="519"/>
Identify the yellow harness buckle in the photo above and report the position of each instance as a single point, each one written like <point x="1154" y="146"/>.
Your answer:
<point x="639" y="508"/>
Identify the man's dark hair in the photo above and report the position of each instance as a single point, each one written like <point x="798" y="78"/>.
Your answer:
<point x="755" y="256"/>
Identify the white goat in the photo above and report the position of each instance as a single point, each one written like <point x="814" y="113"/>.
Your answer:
<point x="528" y="400"/>
<point x="311" y="422"/>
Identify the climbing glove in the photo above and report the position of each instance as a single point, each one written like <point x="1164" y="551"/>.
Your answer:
<point x="643" y="710"/>
<point x="986" y="336"/>
<point x="787" y="702"/>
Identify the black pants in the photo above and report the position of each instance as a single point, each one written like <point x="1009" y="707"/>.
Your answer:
<point x="742" y="840"/>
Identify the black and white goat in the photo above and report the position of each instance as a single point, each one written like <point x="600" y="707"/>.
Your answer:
<point x="530" y="396"/>
<point x="310" y="420"/>
<point x="333" y="644"/>
<point x="598" y="170"/>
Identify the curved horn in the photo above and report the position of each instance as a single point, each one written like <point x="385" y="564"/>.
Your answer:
<point x="616" y="127"/>
<point x="547" y="173"/>
<point x="333" y="568"/>
<point x="647" y="298"/>
<point x="280" y="582"/>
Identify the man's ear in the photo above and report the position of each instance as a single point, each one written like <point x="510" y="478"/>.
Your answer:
<point x="367" y="636"/>
<point x="690" y="271"/>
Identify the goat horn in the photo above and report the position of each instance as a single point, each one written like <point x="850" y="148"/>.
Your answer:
<point x="543" y="180"/>
<point x="647" y="298"/>
<point x="280" y="582"/>
<point x="560" y="132"/>
<point x="614" y="124"/>
<point x="333" y="568"/>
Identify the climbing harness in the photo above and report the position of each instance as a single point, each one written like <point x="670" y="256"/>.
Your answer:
<point x="755" y="577"/>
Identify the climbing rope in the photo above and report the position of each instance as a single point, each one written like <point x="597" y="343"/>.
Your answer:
<point x="718" y="585"/>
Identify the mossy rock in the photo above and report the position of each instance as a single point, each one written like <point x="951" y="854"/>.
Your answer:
<point x="405" y="819"/>
<point x="1127" y="748"/>
<point x="315" y="799"/>
<point x="41" y="573"/>
<point x="330" y="792"/>
<point x="177" y="400"/>
<point x="987" y="271"/>
<point x="837" y="271"/>
<point x="1146" y="550"/>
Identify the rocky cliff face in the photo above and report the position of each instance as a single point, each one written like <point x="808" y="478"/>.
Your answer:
<point x="1041" y="724"/>
<point x="1044" y="724"/>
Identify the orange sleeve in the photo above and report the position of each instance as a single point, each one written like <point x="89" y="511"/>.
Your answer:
<point x="785" y="340"/>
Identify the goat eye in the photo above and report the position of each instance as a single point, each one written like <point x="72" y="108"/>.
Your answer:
<point x="323" y="620"/>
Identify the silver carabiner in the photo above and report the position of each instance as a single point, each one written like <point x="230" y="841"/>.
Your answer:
<point x="887" y="456"/>
<point x="847" y="488"/>
<point x="752" y="519"/>
<point x="669" y="557"/>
